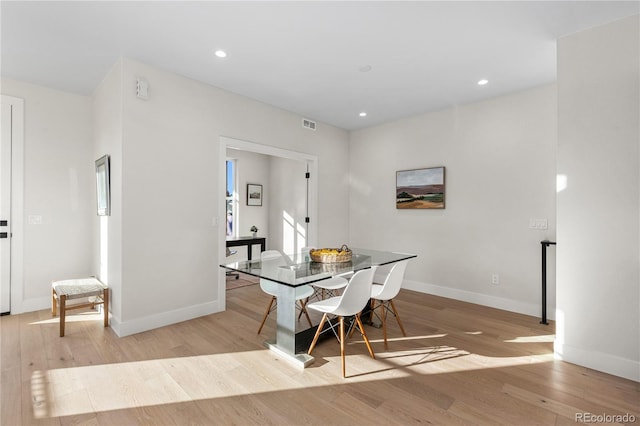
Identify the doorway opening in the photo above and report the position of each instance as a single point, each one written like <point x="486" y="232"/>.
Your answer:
<point x="287" y="213"/>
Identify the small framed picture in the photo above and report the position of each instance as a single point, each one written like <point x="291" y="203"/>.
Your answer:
<point x="254" y="194"/>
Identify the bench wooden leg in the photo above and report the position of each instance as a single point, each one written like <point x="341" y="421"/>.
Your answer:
<point x="105" y="306"/>
<point x="63" y="311"/>
<point x="54" y="303"/>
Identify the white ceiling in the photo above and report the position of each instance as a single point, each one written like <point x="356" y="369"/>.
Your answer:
<point x="305" y="57"/>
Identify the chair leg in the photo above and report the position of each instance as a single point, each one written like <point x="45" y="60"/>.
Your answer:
<point x="63" y="312"/>
<point x="384" y="324"/>
<point x="364" y="335"/>
<point x="302" y="304"/>
<point x="372" y="307"/>
<point x="371" y="310"/>
<point x="395" y="313"/>
<point x="105" y="306"/>
<point x="303" y="308"/>
<point x="266" y="314"/>
<point x="352" y="330"/>
<point x="315" y="338"/>
<point x="344" y="370"/>
<point x="54" y="303"/>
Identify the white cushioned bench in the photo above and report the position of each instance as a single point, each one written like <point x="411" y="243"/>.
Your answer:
<point x="92" y="288"/>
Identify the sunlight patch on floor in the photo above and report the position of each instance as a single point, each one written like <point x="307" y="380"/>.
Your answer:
<point x="97" y="388"/>
<point x="549" y="338"/>
<point x="77" y="317"/>
<point x="408" y="338"/>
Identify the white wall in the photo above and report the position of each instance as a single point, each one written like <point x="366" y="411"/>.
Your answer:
<point x="170" y="171"/>
<point x="500" y="159"/>
<point x="598" y="212"/>
<point x="58" y="184"/>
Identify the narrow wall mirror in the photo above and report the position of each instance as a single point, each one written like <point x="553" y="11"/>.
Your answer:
<point x="102" y="186"/>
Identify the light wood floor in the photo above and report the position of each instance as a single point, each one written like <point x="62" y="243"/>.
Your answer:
<point x="460" y="364"/>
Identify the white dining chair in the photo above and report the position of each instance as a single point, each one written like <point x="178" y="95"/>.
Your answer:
<point x="354" y="298"/>
<point x="384" y="289"/>
<point x="271" y="288"/>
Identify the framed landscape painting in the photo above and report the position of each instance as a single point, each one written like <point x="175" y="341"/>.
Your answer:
<point x="420" y="188"/>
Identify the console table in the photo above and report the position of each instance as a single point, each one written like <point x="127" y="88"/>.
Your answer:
<point x="249" y="242"/>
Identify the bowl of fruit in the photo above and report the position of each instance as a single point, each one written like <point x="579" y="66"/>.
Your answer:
<point x="331" y="255"/>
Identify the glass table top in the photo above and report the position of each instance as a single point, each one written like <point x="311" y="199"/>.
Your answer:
<point x="299" y="269"/>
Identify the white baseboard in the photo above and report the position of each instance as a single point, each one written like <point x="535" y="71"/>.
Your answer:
<point x="610" y="364"/>
<point x="607" y="363"/>
<point x="138" y="325"/>
<point x="510" y="305"/>
<point x="166" y="318"/>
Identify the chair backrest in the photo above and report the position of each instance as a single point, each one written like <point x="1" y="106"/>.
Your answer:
<point x="272" y="259"/>
<point x="271" y="255"/>
<point x="382" y="272"/>
<point x="357" y="293"/>
<point x="275" y="257"/>
<point x="393" y="282"/>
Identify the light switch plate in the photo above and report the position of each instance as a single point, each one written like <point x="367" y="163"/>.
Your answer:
<point x="142" y="89"/>
<point x="538" y="224"/>
<point x="34" y="219"/>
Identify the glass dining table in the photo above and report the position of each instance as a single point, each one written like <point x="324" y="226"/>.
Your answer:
<point x="300" y="270"/>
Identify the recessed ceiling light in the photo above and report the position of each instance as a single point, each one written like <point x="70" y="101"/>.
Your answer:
<point x="364" y="68"/>
<point x="221" y="54"/>
<point x="482" y="82"/>
<point x="363" y="114"/>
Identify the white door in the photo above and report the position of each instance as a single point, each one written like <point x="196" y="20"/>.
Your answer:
<point x="294" y="226"/>
<point x="288" y="229"/>
<point x="6" y="109"/>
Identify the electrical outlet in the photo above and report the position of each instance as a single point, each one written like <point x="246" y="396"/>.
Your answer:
<point x="495" y="279"/>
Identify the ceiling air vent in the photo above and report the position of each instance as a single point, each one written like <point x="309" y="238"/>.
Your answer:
<point x="308" y="124"/>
